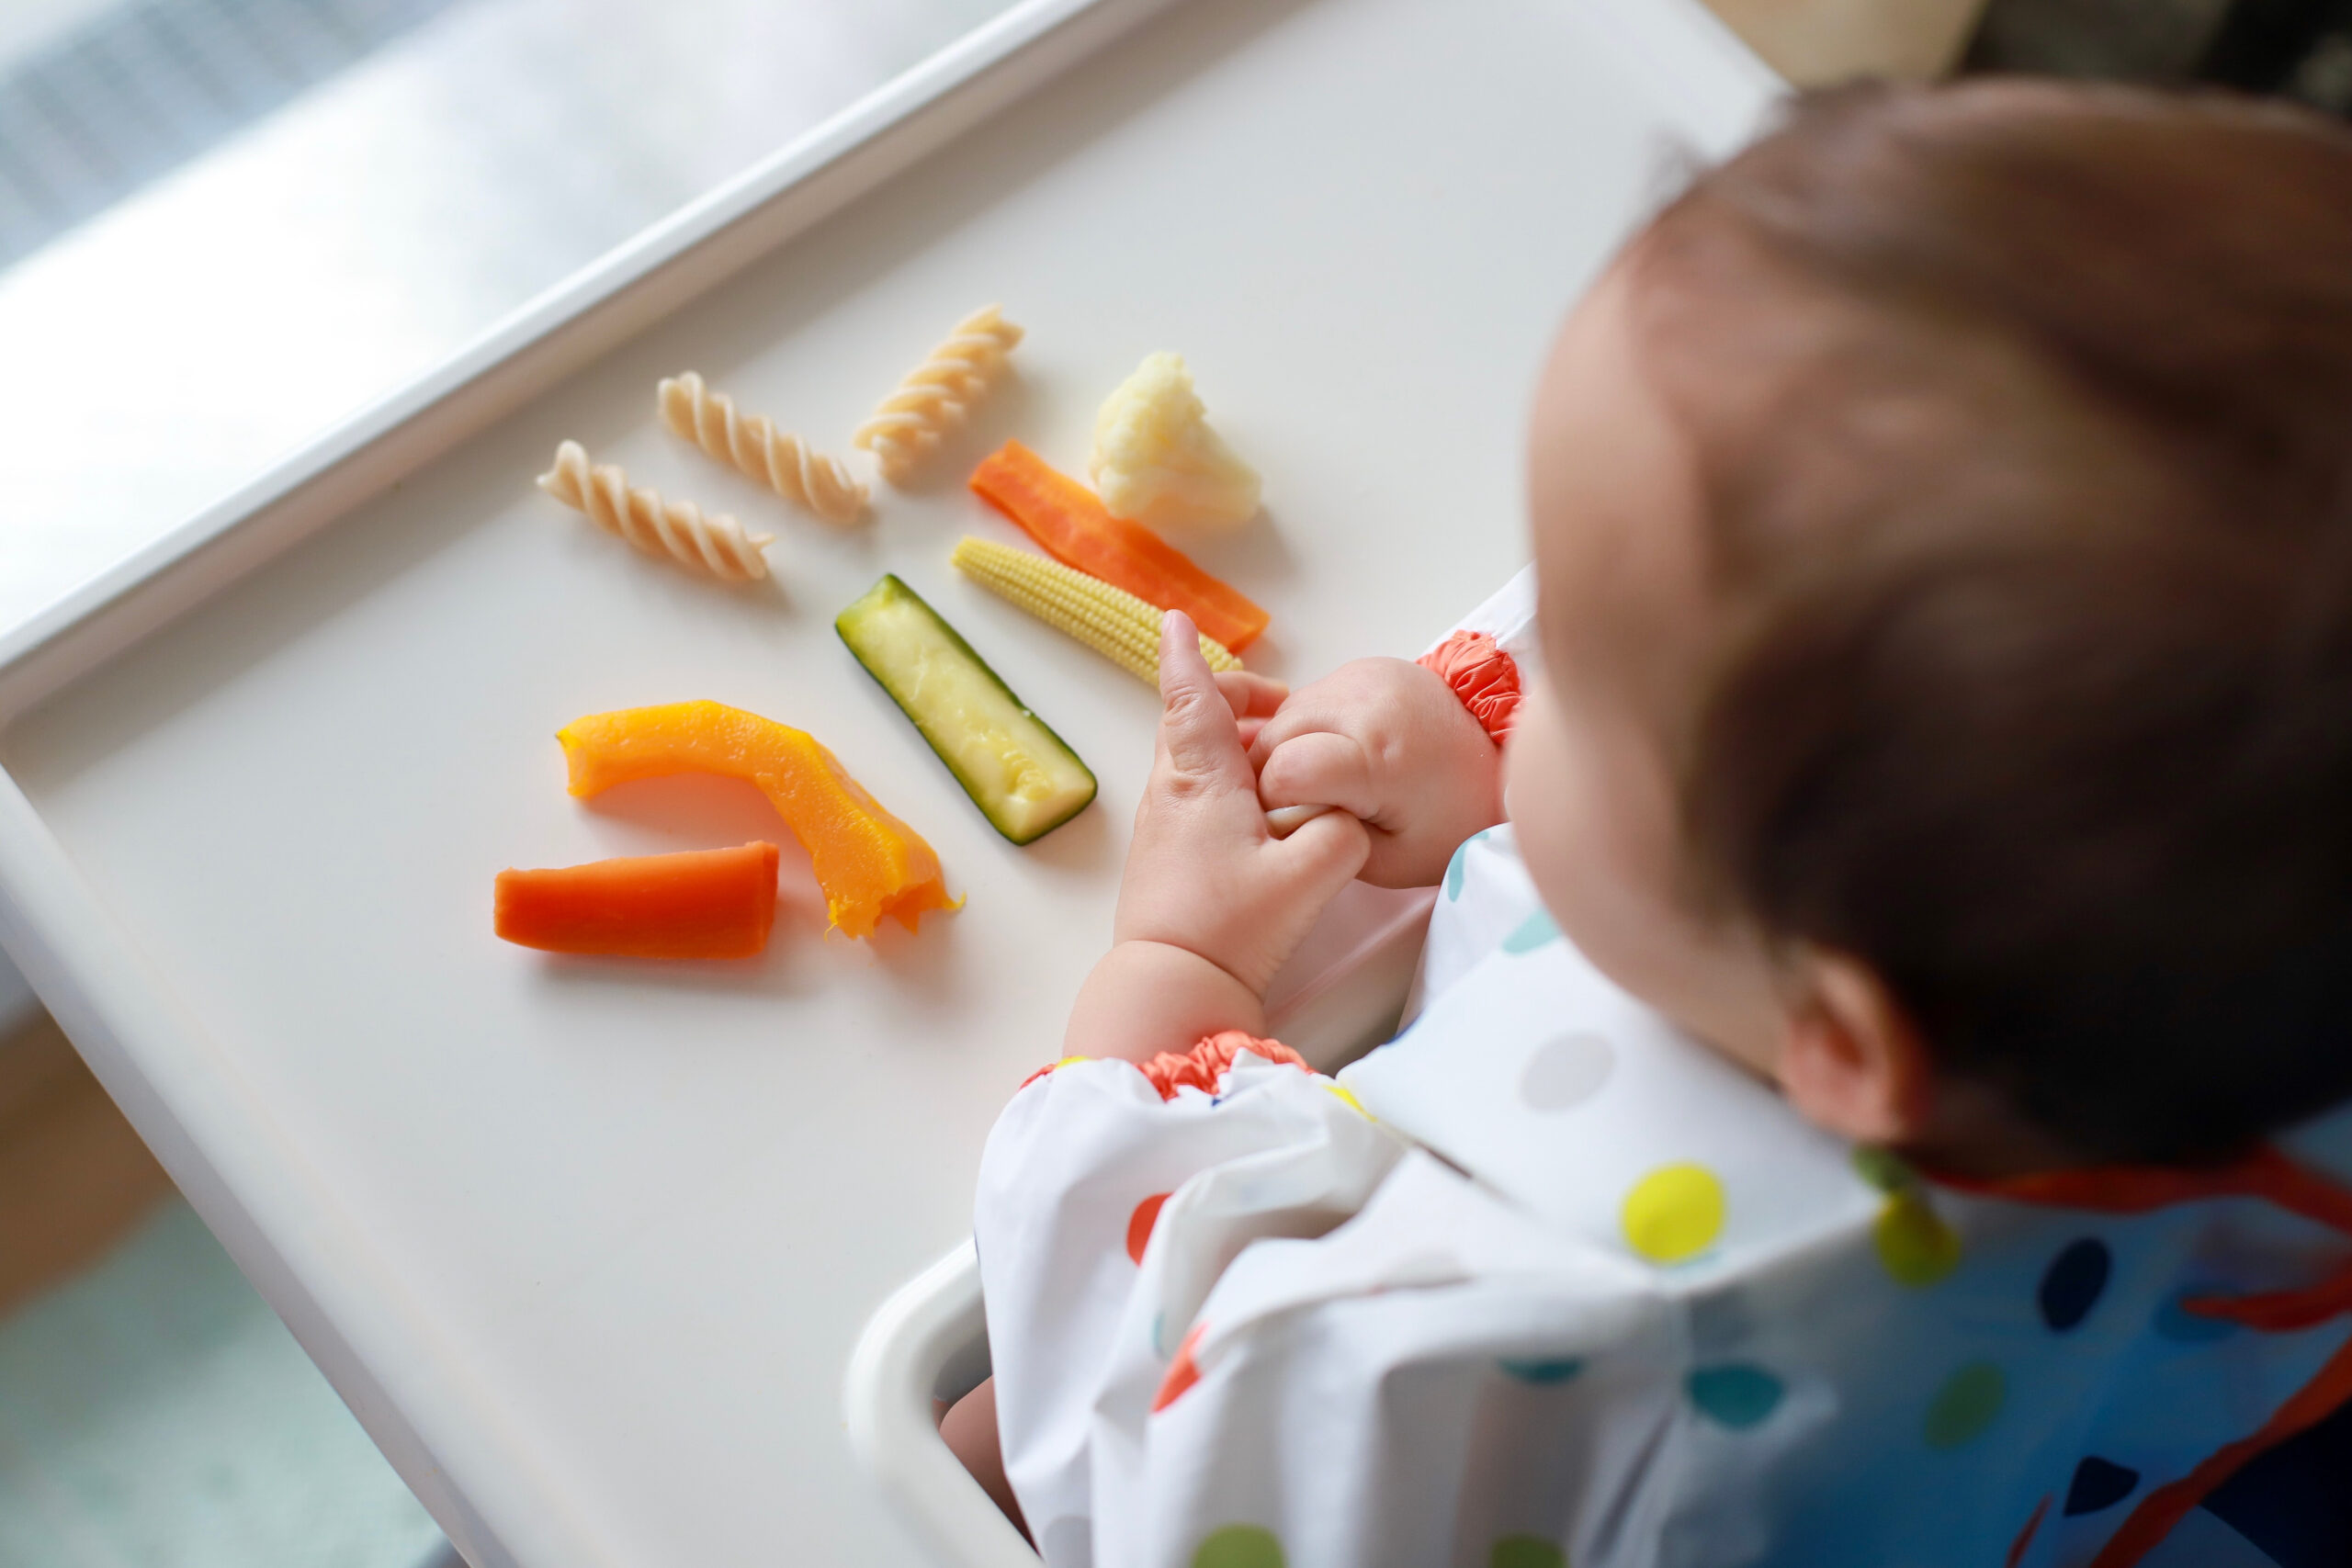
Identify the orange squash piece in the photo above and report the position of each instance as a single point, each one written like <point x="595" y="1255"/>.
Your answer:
<point x="1078" y="530"/>
<point x="868" y="863"/>
<point x="699" y="904"/>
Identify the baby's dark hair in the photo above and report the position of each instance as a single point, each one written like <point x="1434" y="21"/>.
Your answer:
<point x="2025" y="413"/>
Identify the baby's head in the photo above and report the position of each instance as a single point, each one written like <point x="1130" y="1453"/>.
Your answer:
<point x="1944" y="518"/>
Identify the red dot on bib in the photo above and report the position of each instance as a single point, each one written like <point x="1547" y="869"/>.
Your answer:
<point x="1139" y="1224"/>
<point x="1182" y="1372"/>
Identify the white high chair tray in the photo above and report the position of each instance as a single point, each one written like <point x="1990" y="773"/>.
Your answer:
<point x="586" y="1245"/>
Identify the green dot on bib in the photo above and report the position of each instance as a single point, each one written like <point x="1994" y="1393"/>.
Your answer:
<point x="1915" y="1245"/>
<point x="1534" y="932"/>
<point x="1240" y="1546"/>
<point x="1736" y="1395"/>
<point x="1968" y="1402"/>
<point x="1454" y="867"/>
<point x="1526" y="1551"/>
<point x="1887" y="1171"/>
<point x="1676" y="1212"/>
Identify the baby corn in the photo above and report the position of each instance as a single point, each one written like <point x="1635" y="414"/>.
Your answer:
<point x="1111" y="621"/>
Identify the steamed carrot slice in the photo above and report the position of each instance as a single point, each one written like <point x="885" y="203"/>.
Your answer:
<point x="868" y="863"/>
<point x="700" y="904"/>
<point x="1078" y="530"/>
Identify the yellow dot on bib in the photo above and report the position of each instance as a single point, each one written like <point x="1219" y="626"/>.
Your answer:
<point x="1676" y="1212"/>
<point x="1915" y="1245"/>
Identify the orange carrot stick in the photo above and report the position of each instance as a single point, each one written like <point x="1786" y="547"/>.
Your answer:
<point x="1076" y="529"/>
<point x="700" y="904"/>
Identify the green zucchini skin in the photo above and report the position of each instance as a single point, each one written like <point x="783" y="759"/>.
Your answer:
<point x="1024" y="777"/>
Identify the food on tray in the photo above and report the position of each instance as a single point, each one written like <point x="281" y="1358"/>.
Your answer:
<point x="1078" y="530"/>
<point x="700" y="904"/>
<point x="778" y="458"/>
<point x="1017" y="772"/>
<point x="678" y="529"/>
<point x="1111" y="621"/>
<point x="1156" y="461"/>
<point x="868" y="863"/>
<point x="933" y="398"/>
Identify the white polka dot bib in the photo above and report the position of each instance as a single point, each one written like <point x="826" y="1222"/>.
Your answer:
<point x="1541" y="1079"/>
<point x="1543" y="1282"/>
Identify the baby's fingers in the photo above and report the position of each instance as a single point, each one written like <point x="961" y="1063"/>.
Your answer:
<point x="1323" y="854"/>
<point x="1251" y="695"/>
<point x="1253" y="699"/>
<point x="1319" y="769"/>
<point x="1198" y="736"/>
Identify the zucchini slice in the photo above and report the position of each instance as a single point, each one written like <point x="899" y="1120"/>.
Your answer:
<point x="1017" y="772"/>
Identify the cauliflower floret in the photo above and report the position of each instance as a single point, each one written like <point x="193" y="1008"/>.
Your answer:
<point x="1156" y="461"/>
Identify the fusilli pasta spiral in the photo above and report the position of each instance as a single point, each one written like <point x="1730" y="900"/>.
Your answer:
<point x="778" y="458"/>
<point x="678" y="529"/>
<point x="933" y="398"/>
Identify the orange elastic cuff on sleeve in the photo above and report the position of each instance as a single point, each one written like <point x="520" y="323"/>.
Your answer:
<point x="1049" y="1067"/>
<point x="1482" y="675"/>
<point x="1206" y="1062"/>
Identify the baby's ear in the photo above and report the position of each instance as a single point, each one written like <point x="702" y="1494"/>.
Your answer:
<point x="1853" y="1062"/>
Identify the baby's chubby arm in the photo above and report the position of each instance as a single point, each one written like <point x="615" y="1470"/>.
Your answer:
<point x="1389" y="742"/>
<point x="1212" y="904"/>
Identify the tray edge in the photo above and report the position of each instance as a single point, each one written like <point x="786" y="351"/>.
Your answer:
<point x="83" y="965"/>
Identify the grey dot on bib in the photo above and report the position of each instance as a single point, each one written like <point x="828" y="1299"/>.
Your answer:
<point x="1566" y="1070"/>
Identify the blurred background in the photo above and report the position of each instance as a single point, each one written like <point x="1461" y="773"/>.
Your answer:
<point x="226" y="226"/>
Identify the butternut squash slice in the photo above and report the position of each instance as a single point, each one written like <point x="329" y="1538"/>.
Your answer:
<point x="868" y="863"/>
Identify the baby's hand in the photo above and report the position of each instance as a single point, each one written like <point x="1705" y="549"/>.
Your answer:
<point x="1389" y="742"/>
<point x="1204" y="873"/>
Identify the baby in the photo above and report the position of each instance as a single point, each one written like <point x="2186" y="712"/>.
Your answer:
<point x="1860" y="1104"/>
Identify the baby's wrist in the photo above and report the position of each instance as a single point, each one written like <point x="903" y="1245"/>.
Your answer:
<point x="1146" y="996"/>
<point x="1213" y="933"/>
